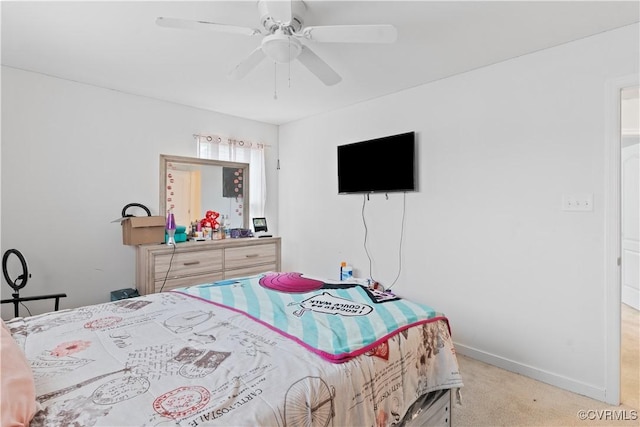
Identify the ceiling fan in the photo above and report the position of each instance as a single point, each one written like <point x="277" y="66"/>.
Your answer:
<point x="283" y="34"/>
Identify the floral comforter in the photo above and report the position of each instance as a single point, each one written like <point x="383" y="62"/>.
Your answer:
<point x="170" y="359"/>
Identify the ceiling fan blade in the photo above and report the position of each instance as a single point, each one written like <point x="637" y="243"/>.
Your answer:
<point x="248" y="64"/>
<point x="383" y="33"/>
<point x="204" y="25"/>
<point x="317" y="66"/>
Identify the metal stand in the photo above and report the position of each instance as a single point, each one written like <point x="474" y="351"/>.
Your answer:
<point x="17" y="299"/>
<point x="21" y="282"/>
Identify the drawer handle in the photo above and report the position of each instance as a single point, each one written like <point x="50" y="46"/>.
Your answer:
<point x="251" y="256"/>
<point x="192" y="263"/>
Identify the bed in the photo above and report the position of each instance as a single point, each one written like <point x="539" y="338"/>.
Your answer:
<point x="275" y="349"/>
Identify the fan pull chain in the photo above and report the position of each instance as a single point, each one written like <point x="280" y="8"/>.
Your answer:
<point x="275" y="80"/>
<point x="289" y="78"/>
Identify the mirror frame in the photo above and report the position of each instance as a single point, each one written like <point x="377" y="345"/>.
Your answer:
<point x="166" y="158"/>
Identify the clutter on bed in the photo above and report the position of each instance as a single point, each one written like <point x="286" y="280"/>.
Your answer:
<point x="180" y="358"/>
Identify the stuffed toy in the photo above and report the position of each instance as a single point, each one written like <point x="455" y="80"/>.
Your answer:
<point x="210" y="220"/>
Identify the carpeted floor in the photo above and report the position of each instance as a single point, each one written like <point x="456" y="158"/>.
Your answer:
<point x="494" y="397"/>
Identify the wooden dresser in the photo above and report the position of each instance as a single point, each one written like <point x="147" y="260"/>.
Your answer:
<point x="195" y="263"/>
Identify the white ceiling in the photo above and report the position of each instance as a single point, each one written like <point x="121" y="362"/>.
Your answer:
<point x="117" y="45"/>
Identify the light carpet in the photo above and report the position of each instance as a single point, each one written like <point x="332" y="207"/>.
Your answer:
<point x="495" y="397"/>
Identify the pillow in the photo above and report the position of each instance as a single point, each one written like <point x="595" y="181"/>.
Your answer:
<point x="18" y="403"/>
<point x="289" y="282"/>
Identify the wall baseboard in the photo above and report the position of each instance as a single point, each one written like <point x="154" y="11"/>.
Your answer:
<point x="555" y="380"/>
<point x="631" y="296"/>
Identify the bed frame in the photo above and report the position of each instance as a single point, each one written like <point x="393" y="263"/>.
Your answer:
<point x="432" y="410"/>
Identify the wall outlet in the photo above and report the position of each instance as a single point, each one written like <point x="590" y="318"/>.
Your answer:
<point x="577" y="202"/>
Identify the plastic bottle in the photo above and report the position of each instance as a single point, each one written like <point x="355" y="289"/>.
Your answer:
<point x="346" y="271"/>
<point x="227" y="227"/>
<point x="220" y="231"/>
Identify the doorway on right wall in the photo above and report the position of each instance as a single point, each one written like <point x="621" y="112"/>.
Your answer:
<point x="630" y="182"/>
<point x="630" y="241"/>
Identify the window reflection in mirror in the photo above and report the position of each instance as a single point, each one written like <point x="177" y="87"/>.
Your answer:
<point x="193" y="186"/>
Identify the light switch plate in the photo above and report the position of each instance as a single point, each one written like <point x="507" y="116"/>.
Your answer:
<point x="582" y="202"/>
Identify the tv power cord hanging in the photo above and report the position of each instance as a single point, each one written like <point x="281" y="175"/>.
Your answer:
<point x="366" y="234"/>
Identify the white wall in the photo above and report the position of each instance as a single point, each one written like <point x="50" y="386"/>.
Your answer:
<point x="72" y="156"/>
<point x="485" y="239"/>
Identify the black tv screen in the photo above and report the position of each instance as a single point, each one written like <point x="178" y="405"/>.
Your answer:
<point x="384" y="164"/>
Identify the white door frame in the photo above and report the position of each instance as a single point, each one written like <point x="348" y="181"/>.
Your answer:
<point x="613" y="245"/>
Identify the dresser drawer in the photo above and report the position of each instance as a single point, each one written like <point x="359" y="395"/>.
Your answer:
<point x="187" y="263"/>
<point x="250" y="271"/>
<point x="249" y="255"/>
<point x="182" y="282"/>
<point x="195" y="263"/>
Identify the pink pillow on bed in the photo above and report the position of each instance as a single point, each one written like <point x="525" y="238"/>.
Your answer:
<point x="18" y="391"/>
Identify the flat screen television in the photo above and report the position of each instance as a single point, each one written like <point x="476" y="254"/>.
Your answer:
<point x="384" y="165"/>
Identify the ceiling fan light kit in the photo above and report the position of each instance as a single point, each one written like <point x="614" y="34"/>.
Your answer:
<point x="284" y="31"/>
<point x="281" y="48"/>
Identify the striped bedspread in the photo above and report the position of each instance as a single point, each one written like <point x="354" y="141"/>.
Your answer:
<point x="335" y="321"/>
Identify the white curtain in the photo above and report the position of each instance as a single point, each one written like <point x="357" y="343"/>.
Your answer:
<point x="224" y="148"/>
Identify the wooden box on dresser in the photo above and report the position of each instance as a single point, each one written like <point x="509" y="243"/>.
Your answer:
<point x="195" y="263"/>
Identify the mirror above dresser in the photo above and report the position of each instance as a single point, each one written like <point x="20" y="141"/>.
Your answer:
<point x="192" y="186"/>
